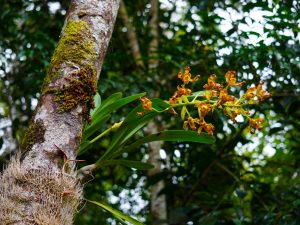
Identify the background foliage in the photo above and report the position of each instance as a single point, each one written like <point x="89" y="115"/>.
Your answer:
<point x="242" y="178"/>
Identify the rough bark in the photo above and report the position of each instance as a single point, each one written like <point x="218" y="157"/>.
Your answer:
<point x="158" y="203"/>
<point x="131" y="35"/>
<point x="39" y="186"/>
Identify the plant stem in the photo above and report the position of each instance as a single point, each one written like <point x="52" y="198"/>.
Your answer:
<point x="107" y="131"/>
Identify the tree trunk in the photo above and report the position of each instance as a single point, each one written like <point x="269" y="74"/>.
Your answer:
<point x="131" y="35"/>
<point x="39" y="186"/>
<point x="158" y="203"/>
<point x="153" y="25"/>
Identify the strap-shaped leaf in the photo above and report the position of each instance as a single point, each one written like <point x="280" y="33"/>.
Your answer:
<point x="108" y="106"/>
<point x="107" y="109"/>
<point x="117" y="213"/>
<point x="132" y="124"/>
<point x="84" y="146"/>
<point x="97" y="101"/>
<point x="95" y="126"/>
<point x="169" y="135"/>
<point x="114" y="97"/>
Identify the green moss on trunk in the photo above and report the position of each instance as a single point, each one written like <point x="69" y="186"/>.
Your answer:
<point x="80" y="90"/>
<point x="75" y="46"/>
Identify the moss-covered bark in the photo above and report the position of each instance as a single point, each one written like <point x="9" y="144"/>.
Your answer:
<point x="41" y="186"/>
<point x="80" y="91"/>
<point x="76" y="47"/>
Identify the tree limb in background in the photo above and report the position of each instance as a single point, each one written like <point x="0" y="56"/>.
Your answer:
<point x="158" y="202"/>
<point x="158" y="206"/>
<point x="154" y="34"/>
<point x="131" y="35"/>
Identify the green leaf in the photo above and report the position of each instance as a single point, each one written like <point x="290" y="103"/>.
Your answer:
<point x="111" y="99"/>
<point x="169" y="135"/>
<point x="179" y="135"/>
<point x="237" y="221"/>
<point x="159" y="104"/>
<point x="132" y="124"/>
<point x="128" y="163"/>
<point x="117" y="213"/>
<point x="254" y="33"/>
<point x="84" y="146"/>
<point x="183" y="112"/>
<point x="296" y="203"/>
<point x="102" y="115"/>
<point x="97" y="101"/>
<point x="198" y="93"/>
<point x="123" y="222"/>
<point x="109" y="105"/>
<point x="95" y="126"/>
<point x="127" y="130"/>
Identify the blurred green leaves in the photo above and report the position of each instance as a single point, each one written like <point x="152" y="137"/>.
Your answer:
<point x="117" y="214"/>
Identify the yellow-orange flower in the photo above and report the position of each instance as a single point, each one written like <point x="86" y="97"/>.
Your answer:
<point x="231" y="80"/>
<point x="255" y="124"/>
<point x="233" y="112"/>
<point x="214" y="97"/>
<point x="262" y="94"/>
<point x="191" y="122"/>
<point x="225" y="97"/>
<point x="212" y="84"/>
<point x="258" y="91"/>
<point x="250" y="93"/>
<point x="208" y="127"/>
<point x="181" y="90"/>
<point x="173" y="100"/>
<point x="203" y="109"/>
<point x="186" y="77"/>
<point x="146" y="103"/>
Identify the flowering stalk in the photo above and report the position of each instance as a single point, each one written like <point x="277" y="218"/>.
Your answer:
<point x="214" y="97"/>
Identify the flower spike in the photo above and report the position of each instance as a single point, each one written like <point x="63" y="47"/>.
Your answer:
<point x="215" y="97"/>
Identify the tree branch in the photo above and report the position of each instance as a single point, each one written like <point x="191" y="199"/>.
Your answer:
<point x="131" y="35"/>
<point x="40" y="186"/>
<point x="153" y="25"/>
